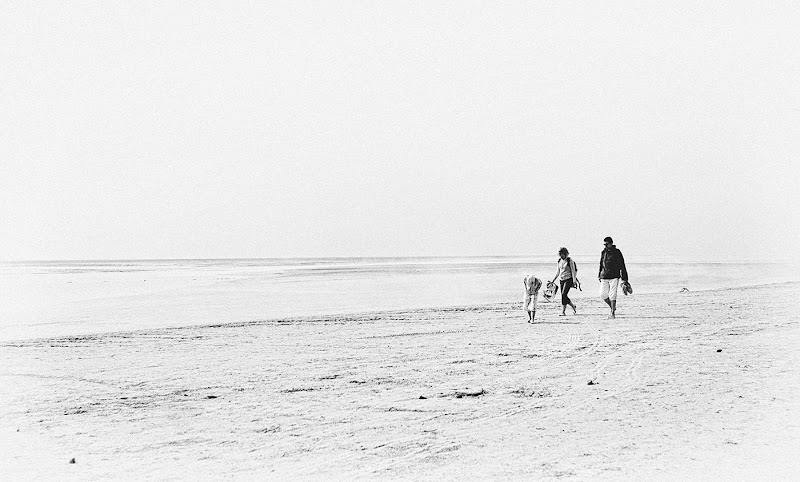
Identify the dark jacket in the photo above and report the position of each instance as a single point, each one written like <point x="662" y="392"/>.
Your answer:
<point x="612" y="264"/>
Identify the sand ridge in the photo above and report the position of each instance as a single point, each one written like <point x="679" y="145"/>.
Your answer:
<point x="698" y="384"/>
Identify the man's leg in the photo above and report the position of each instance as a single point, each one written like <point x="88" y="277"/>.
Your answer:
<point x="612" y="294"/>
<point x="604" y="289"/>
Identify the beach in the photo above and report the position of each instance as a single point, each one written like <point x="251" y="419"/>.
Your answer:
<point x="292" y="241"/>
<point x="697" y="385"/>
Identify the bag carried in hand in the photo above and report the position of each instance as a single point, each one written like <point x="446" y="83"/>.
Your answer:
<point x="551" y="291"/>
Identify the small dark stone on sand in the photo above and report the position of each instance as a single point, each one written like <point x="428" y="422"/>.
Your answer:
<point x="719" y="350"/>
<point x="72" y="460"/>
<point x="212" y="396"/>
<point x="422" y="397"/>
<point x="591" y="382"/>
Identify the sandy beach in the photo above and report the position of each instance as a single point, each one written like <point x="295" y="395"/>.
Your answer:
<point x="697" y="385"/>
<point x="290" y="241"/>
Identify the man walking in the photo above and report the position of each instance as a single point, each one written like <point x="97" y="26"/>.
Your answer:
<point x="612" y="268"/>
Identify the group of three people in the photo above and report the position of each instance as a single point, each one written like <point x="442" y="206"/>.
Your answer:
<point x="612" y="270"/>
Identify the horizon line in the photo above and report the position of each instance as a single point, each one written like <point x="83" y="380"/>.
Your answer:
<point x="109" y="260"/>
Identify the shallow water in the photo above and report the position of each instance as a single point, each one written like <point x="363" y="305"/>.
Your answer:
<point x="69" y="298"/>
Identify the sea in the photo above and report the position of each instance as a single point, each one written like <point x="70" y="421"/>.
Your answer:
<point x="56" y="299"/>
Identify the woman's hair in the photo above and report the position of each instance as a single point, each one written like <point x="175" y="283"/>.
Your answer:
<point x="563" y="250"/>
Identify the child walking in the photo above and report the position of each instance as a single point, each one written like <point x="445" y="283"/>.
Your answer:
<point x="532" y="285"/>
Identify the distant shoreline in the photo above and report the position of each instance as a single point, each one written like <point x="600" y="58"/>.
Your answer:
<point x="656" y="259"/>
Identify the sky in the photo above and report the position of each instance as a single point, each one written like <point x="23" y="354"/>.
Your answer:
<point x="134" y="130"/>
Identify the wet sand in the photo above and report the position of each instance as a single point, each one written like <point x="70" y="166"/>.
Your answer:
<point x="693" y="385"/>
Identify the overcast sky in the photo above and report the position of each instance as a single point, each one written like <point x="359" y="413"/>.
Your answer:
<point x="272" y="129"/>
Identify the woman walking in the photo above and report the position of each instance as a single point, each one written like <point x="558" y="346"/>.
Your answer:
<point x="568" y="278"/>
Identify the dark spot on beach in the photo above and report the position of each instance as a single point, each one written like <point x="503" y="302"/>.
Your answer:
<point x="592" y="382"/>
<point x="470" y="393"/>
<point x="294" y="390"/>
<point x="421" y="397"/>
<point x="719" y="350"/>
<point x="72" y="460"/>
<point x="211" y="396"/>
